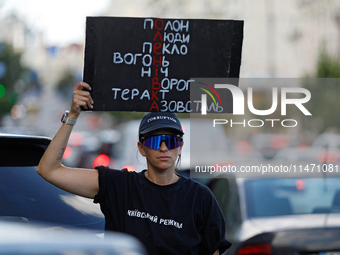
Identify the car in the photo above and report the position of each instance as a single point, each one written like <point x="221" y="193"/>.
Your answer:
<point x="328" y="141"/>
<point x="324" y="149"/>
<point x="27" y="197"/>
<point x="280" y="214"/>
<point x="23" y="239"/>
<point x="269" y="144"/>
<point x="90" y="149"/>
<point x="125" y="151"/>
<point x="318" y="241"/>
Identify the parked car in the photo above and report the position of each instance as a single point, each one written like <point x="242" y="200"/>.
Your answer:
<point x="329" y="141"/>
<point x="90" y="149"/>
<point x="23" y="239"/>
<point x="324" y="149"/>
<point x="269" y="144"/>
<point x="26" y="197"/>
<point x="280" y="215"/>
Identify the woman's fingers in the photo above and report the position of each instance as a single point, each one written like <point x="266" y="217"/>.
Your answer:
<point x="82" y="101"/>
<point x="83" y="85"/>
<point x="81" y="98"/>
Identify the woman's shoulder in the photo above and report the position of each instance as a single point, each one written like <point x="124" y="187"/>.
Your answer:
<point x="196" y="185"/>
<point x="200" y="193"/>
<point x="107" y="172"/>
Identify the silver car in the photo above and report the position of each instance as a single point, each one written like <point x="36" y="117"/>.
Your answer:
<point x="25" y="239"/>
<point x="280" y="215"/>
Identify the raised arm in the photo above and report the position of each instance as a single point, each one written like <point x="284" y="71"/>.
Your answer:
<point x="83" y="182"/>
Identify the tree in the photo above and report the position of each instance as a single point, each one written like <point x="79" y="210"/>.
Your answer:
<point x="327" y="66"/>
<point x="11" y="72"/>
<point x="324" y="92"/>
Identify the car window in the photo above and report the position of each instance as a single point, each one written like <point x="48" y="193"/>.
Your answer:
<point x="23" y="193"/>
<point x="22" y="150"/>
<point x="274" y="197"/>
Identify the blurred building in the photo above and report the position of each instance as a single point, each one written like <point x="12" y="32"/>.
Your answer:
<point x="318" y="27"/>
<point x="14" y="31"/>
<point x="49" y="64"/>
<point x="281" y="38"/>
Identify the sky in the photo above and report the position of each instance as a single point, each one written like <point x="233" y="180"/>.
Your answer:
<point x="62" y="22"/>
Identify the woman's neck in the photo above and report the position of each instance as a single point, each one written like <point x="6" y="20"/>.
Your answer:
<point x="162" y="178"/>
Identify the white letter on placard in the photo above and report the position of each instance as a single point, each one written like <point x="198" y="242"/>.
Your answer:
<point x="117" y="59"/>
<point x="151" y="23"/>
<point x="150" y="47"/>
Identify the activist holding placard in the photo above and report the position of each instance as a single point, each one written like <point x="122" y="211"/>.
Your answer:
<point x="169" y="213"/>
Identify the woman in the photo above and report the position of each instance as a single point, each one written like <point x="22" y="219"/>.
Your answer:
<point x="170" y="214"/>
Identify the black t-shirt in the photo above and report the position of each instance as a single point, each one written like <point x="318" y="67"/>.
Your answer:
<point x="180" y="218"/>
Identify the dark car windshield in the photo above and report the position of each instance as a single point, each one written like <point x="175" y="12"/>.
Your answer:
<point x="23" y="193"/>
<point x="274" y="197"/>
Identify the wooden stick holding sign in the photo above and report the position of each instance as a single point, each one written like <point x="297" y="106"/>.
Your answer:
<point x="146" y="64"/>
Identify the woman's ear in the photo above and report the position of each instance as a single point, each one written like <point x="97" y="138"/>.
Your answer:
<point x="141" y="148"/>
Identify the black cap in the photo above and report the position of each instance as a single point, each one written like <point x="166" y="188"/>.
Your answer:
<point x="158" y="120"/>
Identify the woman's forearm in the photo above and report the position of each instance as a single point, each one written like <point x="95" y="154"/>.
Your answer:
<point x="52" y="158"/>
<point x="51" y="161"/>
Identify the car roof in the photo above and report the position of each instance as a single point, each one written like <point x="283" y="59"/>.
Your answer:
<point x="34" y="239"/>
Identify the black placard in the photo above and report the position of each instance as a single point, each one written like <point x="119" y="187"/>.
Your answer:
<point x="146" y="64"/>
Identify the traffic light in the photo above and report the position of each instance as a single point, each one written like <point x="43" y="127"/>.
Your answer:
<point x="2" y="90"/>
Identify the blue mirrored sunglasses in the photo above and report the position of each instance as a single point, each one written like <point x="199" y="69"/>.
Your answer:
<point x="154" y="142"/>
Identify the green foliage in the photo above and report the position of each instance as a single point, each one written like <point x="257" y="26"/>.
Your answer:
<point x="14" y="72"/>
<point x="325" y="90"/>
<point x="327" y="67"/>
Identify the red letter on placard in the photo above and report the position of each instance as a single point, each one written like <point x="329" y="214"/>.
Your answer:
<point x="159" y="35"/>
<point x="157" y="62"/>
<point x="157" y="21"/>
<point x="155" y="84"/>
<point x="154" y="106"/>
<point x="157" y="46"/>
<point x="153" y="96"/>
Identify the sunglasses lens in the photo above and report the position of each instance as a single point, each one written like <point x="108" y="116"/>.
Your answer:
<point x="172" y="142"/>
<point x="154" y="142"/>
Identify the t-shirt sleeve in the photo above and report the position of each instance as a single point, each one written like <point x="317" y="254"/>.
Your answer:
<point x="102" y="180"/>
<point x="214" y="230"/>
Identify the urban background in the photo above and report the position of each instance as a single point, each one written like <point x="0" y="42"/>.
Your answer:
<point x="289" y="39"/>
